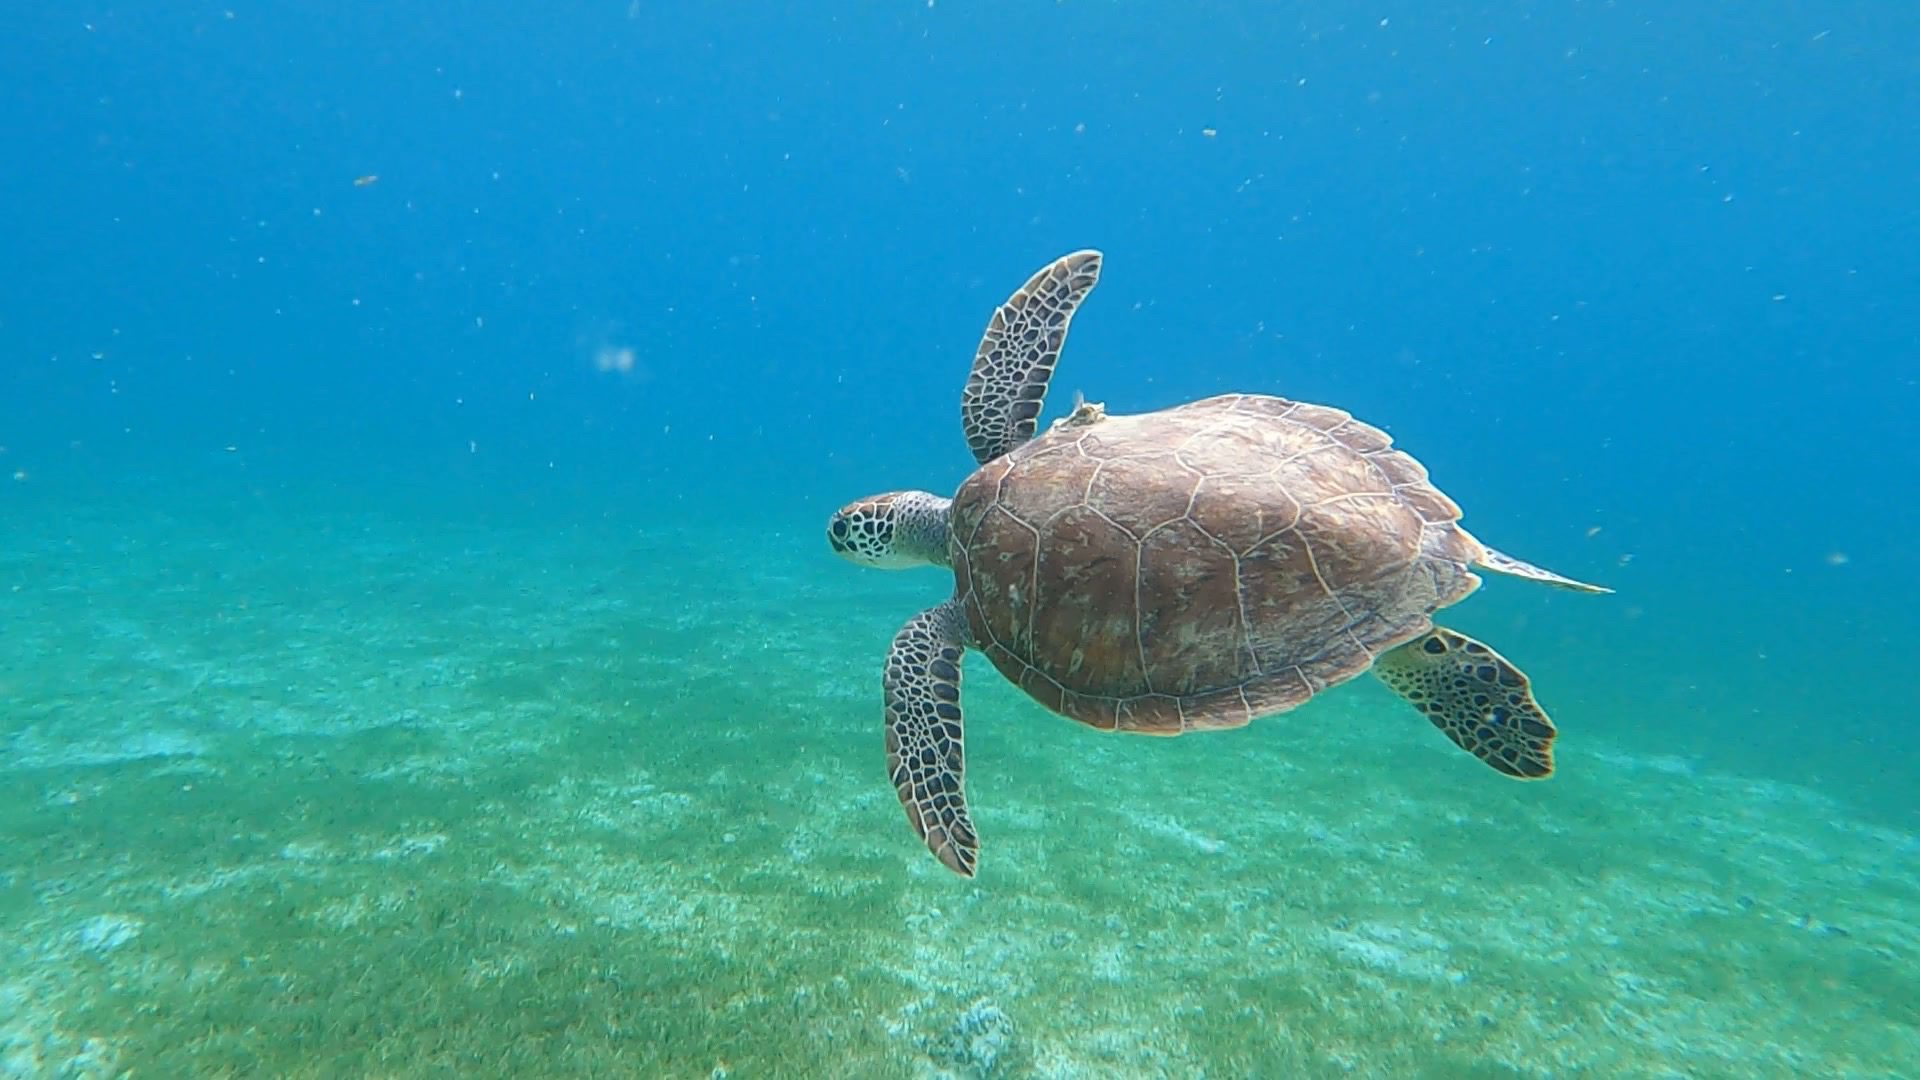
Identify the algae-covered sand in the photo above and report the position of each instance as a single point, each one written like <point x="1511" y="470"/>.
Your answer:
<point x="341" y="793"/>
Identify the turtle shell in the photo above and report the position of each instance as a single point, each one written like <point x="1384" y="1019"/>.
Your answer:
<point x="1202" y="565"/>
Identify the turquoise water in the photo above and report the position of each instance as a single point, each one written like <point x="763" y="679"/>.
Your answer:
<point x="420" y="653"/>
<point x="315" y="782"/>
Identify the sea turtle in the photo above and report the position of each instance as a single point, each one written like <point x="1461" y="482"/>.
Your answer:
<point x="1180" y="570"/>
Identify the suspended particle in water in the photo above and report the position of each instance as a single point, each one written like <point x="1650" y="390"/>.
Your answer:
<point x="614" y="358"/>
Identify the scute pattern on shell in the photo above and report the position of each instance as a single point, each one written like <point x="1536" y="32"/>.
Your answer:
<point x="1202" y="565"/>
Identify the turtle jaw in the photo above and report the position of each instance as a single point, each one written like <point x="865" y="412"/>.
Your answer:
<point x="895" y="531"/>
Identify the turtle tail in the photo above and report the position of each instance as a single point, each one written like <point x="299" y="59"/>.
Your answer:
<point x="1502" y="563"/>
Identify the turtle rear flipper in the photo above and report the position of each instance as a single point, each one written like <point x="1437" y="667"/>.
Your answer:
<point x="924" y="733"/>
<point x="1476" y="697"/>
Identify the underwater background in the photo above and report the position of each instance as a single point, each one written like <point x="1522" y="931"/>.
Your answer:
<point x="420" y="654"/>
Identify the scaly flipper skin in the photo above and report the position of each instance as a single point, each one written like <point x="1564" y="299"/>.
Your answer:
<point x="1473" y="695"/>
<point x="925" y="736"/>
<point x="1000" y="406"/>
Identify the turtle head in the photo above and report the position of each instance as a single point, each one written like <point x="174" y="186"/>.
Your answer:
<point x="892" y="531"/>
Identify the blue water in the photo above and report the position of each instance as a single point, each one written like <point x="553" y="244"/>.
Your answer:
<point x="1636" y="282"/>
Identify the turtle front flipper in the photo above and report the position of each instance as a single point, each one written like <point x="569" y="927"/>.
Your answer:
<point x="1000" y="407"/>
<point x="1473" y="694"/>
<point x="924" y="733"/>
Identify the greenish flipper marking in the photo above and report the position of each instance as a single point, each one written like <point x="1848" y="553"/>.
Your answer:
<point x="925" y="737"/>
<point x="1476" y="697"/>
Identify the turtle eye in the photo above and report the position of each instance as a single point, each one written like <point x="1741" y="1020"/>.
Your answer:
<point x="839" y="529"/>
